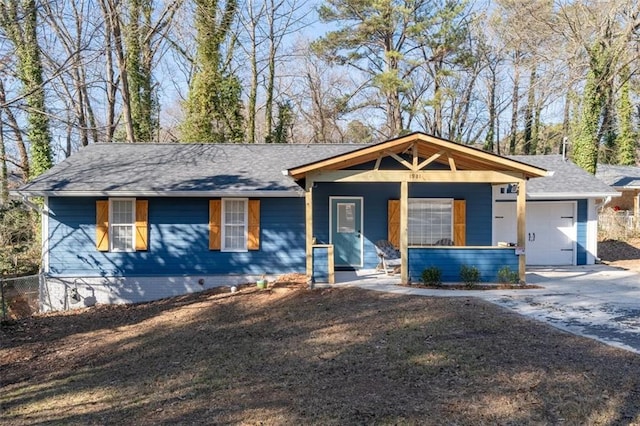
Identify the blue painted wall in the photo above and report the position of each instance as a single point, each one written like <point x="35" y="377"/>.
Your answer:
<point x="489" y="261"/>
<point x="376" y="196"/>
<point x="581" y="255"/>
<point x="178" y="232"/>
<point x="178" y="240"/>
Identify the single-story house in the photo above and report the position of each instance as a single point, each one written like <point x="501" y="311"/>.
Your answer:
<point x="625" y="180"/>
<point x="137" y="222"/>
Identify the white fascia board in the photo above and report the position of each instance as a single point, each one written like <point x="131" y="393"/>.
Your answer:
<point x="626" y="187"/>
<point x="166" y="194"/>
<point x="570" y="195"/>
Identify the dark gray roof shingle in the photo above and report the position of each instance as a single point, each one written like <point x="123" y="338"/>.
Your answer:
<point x="619" y="176"/>
<point x="237" y="169"/>
<point x="148" y="168"/>
<point x="564" y="178"/>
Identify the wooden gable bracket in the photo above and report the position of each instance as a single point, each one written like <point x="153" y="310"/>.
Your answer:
<point x="431" y="159"/>
<point x="399" y="159"/>
<point x="452" y="163"/>
<point x="378" y="161"/>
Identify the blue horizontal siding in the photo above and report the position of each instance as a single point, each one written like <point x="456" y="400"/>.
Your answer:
<point x="374" y="226"/>
<point x="449" y="260"/>
<point x="178" y="241"/>
<point x="375" y="197"/>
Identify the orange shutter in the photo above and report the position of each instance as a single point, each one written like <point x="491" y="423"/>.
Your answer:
<point x="459" y="222"/>
<point x="253" y="234"/>
<point x="102" y="225"/>
<point x="142" y="226"/>
<point x="393" y="222"/>
<point x="215" y="220"/>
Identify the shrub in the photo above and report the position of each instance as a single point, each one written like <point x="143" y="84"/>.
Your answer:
<point x="432" y="276"/>
<point x="19" y="248"/>
<point x="507" y="276"/>
<point x="470" y="275"/>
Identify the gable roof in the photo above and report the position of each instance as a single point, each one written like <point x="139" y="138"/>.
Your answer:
<point x="622" y="177"/>
<point x="126" y="169"/>
<point x="249" y="170"/>
<point x="442" y="151"/>
<point x="565" y="179"/>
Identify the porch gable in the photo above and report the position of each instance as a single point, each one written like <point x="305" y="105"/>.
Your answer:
<point x="415" y="155"/>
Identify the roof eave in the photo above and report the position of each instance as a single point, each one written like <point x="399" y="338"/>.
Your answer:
<point x="164" y="194"/>
<point x="570" y="195"/>
<point x="626" y="187"/>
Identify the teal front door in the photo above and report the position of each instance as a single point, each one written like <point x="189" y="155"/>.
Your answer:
<point x="346" y="231"/>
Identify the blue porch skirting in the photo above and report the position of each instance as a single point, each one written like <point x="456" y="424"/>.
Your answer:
<point x="488" y="260"/>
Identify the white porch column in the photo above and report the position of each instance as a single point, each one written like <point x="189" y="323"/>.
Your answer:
<point x="404" y="234"/>
<point x="522" y="227"/>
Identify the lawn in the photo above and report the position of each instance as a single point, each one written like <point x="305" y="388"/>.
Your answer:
<point x="290" y="355"/>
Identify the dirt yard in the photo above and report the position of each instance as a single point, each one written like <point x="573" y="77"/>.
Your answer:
<point x="290" y="355"/>
<point x="622" y="254"/>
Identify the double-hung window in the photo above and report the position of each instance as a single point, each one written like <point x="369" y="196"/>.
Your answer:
<point x="234" y="224"/>
<point x="430" y="221"/>
<point x="122" y="224"/>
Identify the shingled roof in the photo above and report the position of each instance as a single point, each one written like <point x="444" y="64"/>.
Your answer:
<point x="123" y="169"/>
<point x="623" y="177"/>
<point x="565" y="179"/>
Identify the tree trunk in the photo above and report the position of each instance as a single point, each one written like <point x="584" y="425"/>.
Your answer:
<point x="513" y="139"/>
<point x="4" y="171"/>
<point x="253" y="85"/>
<point x="113" y="17"/>
<point x="488" y="145"/>
<point x="20" y="23"/>
<point x="529" y="146"/>
<point x="271" y="75"/>
<point x="13" y="123"/>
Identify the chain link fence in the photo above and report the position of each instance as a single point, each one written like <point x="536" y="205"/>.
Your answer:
<point x="19" y="297"/>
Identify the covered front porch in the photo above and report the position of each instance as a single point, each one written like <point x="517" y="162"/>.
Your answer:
<point x="402" y="190"/>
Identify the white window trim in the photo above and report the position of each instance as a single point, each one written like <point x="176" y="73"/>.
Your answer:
<point x="223" y="226"/>
<point x="450" y="200"/>
<point x="133" y="225"/>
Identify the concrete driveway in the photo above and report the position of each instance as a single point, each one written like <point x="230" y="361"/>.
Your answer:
<point x="595" y="301"/>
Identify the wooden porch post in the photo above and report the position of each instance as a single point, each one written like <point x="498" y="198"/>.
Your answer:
<point x="404" y="235"/>
<point x="308" y="203"/>
<point x="522" y="227"/>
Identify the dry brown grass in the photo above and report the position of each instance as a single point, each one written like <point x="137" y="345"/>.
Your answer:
<point x="298" y="356"/>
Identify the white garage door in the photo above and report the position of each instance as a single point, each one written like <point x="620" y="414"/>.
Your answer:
<point x="551" y="231"/>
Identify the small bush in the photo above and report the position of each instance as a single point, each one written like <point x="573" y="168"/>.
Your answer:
<point x="470" y="275"/>
<point x="432" y="276"/>
<point x="507" y="276"/>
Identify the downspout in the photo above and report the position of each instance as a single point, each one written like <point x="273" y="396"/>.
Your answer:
<point x="602" y="203"/>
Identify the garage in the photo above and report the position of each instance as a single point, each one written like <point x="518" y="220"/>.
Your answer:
<point x="551" y="230"/>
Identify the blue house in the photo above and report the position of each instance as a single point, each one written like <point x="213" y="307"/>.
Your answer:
<point x="138" y="222"/>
